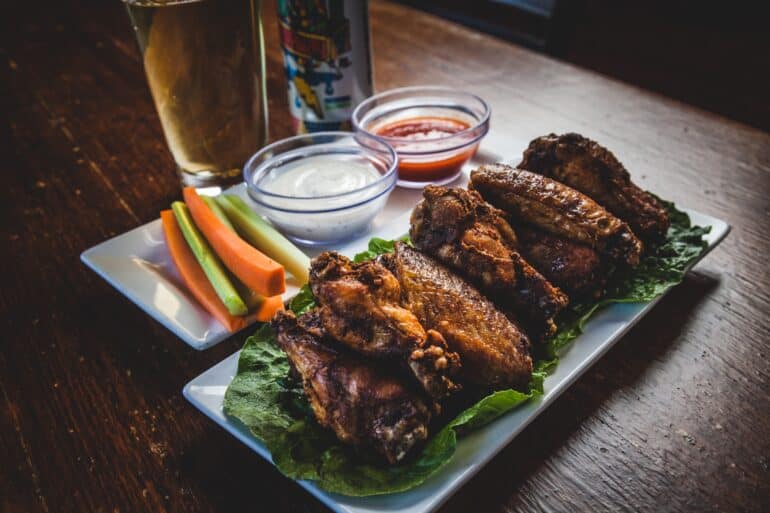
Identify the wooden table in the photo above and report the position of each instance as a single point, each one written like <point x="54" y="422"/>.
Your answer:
<point x="675" y="417"/>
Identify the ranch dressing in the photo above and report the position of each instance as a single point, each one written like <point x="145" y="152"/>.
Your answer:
<point x="333" y="206"/>
<point x="321" y="175"/>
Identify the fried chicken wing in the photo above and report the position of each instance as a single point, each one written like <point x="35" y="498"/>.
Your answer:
<point x="590" y="168"/>
<point x="461" y="230"/>
<point x="494" y="351"/>
<point x="363" y="404"/>
<point x="556" y="208"/>
<point x="360" y="307"/>
<point x="574" y="267"/>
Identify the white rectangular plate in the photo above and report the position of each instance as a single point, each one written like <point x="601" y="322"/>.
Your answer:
<point x="207" y="392"/>
<point x="139" y="266"/>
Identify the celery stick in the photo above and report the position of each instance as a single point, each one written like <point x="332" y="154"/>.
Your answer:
<point x="251" y="298"/>
<point x="264" y="237"/>
<point x="214" y="206"/>
<point x="208" y="260"/>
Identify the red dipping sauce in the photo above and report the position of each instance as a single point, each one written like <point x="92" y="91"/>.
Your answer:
<point x="424" y="129"/>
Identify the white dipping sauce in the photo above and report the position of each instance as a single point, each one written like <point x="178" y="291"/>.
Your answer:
<point x="321" y="176"/>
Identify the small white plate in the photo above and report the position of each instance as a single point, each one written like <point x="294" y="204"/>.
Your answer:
<point x="139" y="266"/>
<point x="207" y="392"/>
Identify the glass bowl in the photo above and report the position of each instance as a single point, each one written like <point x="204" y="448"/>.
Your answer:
<point x="430" y="156"/>
<point x="322" y="188"/>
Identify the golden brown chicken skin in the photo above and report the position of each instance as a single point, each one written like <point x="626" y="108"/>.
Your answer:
<point x="558" y="209"/>
<point x="575" y="268"/>
<point x="494" y="351"/>
<point x="360" y="307"/>
<point x="590" y="168"/>
<point x="461" y="230"/>
<point x="363" y="404"/>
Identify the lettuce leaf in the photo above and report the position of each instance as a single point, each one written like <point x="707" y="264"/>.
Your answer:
<point x="303" y="301"/>
<point x="274" y="408"/>
<point x="378" y="246"/>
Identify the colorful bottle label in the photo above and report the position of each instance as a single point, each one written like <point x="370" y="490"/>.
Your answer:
<point x="326" y="58"/>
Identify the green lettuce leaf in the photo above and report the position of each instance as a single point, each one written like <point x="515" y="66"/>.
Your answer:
<point x="303" y="301"/>
<point x="379" y="247"/>
<point x="274" y="408"/>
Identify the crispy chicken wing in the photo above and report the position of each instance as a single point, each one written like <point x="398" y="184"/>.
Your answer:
<point x="494" y="351"/>
<point x="584" y="165"/>
<point x="556" y="208"/>
<point x="574" y="267"/>
<point x="461" y="230"/>
<point x="363" y="404"/>
<point x="360" y="307"/>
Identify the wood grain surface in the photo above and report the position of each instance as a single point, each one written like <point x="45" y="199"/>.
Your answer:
<point x="675" y="418"/>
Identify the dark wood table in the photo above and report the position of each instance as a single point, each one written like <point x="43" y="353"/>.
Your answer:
<point x="675" y="417"/>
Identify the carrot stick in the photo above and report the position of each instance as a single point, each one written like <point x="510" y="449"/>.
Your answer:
<point x="212" y="266"/>
<point x="267" y="308"/>
<point x="194" y="277"/>
<point x="260" y="273"/>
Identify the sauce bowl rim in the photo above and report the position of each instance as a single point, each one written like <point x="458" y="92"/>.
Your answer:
<point x="251" y="168"/>
<point x="476" y="131"/>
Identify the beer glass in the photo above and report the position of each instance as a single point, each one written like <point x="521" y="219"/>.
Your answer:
<point x="205" y="64"/>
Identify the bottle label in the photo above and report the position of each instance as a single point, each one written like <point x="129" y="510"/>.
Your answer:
<point x="326" y="59"/>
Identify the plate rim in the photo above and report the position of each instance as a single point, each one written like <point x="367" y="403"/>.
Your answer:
<point x="87" y="257"/>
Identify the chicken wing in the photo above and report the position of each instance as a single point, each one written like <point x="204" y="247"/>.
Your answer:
<point x="494" y="351"/>
<point x="584" y="165"/>
<point x="364" y="405"/>
<point x="360" y="307"/>
<point x="573" y="267"/>
<point x="556" y="208"/>
<point x="461" y="230"/>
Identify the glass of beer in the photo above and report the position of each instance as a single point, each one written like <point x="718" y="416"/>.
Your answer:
<point x="205" y="64"/>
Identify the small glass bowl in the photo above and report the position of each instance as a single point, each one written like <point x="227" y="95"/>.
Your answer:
<point x="429" y="160"/>
<point x="321" y="219"/>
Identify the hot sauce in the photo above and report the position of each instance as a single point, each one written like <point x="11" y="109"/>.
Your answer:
<point x="434" y="167"/>
<point x="422" y="128"/>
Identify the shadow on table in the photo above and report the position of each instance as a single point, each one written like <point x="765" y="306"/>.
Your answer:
<point x="234" y="478"/>
<point x="504" y="479"/>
